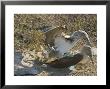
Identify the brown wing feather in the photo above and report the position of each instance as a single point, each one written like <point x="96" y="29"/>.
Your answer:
<point x="66" y="61"/>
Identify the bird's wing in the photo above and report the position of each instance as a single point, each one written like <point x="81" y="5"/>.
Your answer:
<point x="78" y="45"/>
<point x="51" y="34"/>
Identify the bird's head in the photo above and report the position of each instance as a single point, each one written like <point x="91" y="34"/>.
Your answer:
<point x="77" y="35"/>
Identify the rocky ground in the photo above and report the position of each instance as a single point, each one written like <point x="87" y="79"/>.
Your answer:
<point x="29" y="37"/>
<point x="88" y="69"/>
<point x="26" y="65"/>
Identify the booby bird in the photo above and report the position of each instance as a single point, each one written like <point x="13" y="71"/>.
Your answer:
<point x="84" y="54"/>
